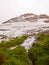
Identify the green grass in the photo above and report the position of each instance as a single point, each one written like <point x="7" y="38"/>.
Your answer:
<point x="42" y="38"/>
<point x="39" y="54"/>
<point x="17" y="56"/>
<point x="13" y="42"/>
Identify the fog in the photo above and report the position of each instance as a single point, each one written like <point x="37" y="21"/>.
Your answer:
<point x="13" y="8"/>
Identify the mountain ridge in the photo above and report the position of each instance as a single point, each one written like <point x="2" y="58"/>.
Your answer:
<point x="24" y="24"/>
<point x="28" y="17"/>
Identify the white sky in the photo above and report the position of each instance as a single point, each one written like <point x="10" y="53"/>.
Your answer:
<point x="12" y="8"/>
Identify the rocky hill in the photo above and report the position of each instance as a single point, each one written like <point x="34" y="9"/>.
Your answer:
<point x="24" y="24"/>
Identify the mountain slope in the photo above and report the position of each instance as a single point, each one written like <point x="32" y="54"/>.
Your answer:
<point x="24" y="24"/>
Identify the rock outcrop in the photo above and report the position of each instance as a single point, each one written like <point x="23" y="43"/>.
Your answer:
<point x="43" y="16"/>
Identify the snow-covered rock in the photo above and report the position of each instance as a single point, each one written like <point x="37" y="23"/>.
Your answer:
<point x="24" y="24"/>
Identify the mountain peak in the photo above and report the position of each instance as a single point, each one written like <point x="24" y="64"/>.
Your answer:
<point x="28" y="17"/>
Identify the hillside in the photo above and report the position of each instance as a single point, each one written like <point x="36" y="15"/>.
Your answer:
<point x="24" y="24"/>
<point x="21" y="36"/>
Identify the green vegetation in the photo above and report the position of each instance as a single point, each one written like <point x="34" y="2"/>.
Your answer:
<point x="17" y="56"/>
<point x="42" y="38"/>
<point x="39" y="54"/>
<point x="13" y="42"/>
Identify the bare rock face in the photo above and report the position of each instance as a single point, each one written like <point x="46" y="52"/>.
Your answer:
<point x="29" y="17"/>
<point x="15" y="19"/>
<point x="46" y="21"/>
<point x="43" y="16"/>
<point x="9" y="21"/>
<point x="26" y="15"/>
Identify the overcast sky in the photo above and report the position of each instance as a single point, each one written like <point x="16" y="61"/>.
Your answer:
<point x="13" y="8"/>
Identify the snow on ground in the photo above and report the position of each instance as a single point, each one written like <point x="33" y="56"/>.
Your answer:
<point x="28" y="42"/>
<point x="16" y="29"/>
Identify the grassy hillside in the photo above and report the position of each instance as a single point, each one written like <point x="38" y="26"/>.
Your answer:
<point x="17" y="56"/>
<point x="13" y="42"/>
<point x="39" y="53"/>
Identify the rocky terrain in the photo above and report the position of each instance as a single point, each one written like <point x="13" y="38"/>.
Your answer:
<point x="21" y="43"/>
<point x="24" y="24"/>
